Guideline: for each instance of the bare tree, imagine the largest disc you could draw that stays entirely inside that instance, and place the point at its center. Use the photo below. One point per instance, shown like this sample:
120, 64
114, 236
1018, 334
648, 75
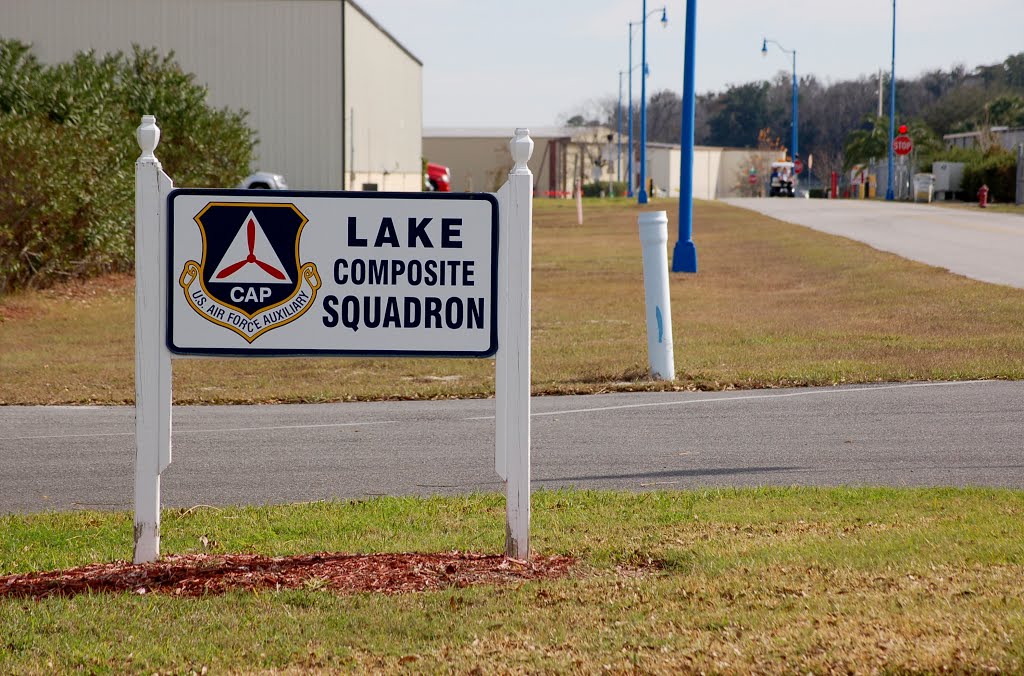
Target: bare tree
827, 161
664, 117
758, 165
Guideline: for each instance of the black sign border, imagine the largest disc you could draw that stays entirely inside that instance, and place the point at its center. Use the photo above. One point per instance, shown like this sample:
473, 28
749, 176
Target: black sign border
347, 194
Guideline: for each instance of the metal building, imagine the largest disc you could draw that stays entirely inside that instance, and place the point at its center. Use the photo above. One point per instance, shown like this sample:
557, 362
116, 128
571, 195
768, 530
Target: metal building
718, 172
337, 101
479, 158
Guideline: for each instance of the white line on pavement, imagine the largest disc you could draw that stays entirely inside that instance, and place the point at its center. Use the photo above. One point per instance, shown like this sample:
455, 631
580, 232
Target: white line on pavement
596, 409
845, 390
210, 431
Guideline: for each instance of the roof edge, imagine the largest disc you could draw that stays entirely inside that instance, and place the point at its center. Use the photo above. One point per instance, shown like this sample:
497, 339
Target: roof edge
383, 30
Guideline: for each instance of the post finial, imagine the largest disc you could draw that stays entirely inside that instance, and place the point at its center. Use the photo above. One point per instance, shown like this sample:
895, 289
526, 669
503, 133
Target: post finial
148, 136
522, 148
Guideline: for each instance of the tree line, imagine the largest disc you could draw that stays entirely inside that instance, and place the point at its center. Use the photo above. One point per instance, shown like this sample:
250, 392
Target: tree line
835, 117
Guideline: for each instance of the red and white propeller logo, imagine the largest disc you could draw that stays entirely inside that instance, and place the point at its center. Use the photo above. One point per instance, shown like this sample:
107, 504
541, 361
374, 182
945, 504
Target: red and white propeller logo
252, 250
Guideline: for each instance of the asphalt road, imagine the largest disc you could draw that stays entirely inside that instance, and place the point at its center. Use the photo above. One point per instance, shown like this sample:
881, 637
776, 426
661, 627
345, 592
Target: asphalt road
928, 434
976, 243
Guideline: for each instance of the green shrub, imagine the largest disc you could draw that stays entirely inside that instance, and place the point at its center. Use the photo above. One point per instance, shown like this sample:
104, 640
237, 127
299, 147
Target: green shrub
965, 155
62, 213
997, 169
600, 189
67, 154
19, 77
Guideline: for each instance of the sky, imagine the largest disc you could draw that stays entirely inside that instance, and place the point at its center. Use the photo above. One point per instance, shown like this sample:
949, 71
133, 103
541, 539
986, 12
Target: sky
536, 62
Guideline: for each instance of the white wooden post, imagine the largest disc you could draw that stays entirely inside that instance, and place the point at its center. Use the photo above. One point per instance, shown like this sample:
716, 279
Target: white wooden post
152, 358
501, 358
512, 363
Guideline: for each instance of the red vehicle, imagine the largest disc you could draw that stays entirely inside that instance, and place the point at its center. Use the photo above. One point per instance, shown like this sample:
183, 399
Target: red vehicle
438, 178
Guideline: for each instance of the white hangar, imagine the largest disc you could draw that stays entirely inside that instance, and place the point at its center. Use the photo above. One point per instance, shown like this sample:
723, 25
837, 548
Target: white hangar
336, 101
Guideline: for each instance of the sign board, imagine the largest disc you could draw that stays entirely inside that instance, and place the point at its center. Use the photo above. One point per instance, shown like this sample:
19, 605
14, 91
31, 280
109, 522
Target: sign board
798, 165
370, 274
261, 273
902, 145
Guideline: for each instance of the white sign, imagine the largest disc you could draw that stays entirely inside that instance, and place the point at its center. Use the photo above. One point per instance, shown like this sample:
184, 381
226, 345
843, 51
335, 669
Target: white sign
266, 273
374, 274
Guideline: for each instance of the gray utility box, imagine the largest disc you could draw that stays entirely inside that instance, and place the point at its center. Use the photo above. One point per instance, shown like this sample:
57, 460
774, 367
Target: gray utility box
948, 178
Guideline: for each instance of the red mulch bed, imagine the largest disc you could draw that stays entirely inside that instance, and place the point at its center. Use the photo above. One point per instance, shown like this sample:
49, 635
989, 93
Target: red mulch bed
199, 574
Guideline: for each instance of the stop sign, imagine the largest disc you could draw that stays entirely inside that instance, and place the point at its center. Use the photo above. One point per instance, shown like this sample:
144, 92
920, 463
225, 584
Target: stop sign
752, 179
798, 165
902, 145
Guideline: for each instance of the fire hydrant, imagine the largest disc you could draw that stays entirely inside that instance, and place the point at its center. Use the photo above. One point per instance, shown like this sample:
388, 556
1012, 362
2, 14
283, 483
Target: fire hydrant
983, 196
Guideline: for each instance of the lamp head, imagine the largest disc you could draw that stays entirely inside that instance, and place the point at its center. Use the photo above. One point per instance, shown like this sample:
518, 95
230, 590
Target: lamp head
664, 17
764, 48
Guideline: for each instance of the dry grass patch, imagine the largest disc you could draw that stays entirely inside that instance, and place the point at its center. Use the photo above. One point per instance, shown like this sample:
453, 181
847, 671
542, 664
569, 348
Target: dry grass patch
773, 305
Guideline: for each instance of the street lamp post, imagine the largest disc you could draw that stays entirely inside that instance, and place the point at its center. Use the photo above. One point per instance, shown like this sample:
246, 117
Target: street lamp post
795, 149
684, 255
889, 194
642, 195
629, 150
643, 106
618, 121
629, 177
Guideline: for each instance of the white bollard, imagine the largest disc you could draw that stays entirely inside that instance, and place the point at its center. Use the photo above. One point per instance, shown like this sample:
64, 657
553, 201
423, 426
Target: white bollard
654, 239
578, 189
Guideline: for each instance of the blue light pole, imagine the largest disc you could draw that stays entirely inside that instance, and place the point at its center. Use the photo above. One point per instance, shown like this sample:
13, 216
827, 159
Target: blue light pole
684, 255
629, 177
642, 195
618, 120
795, 150
889, 194
643, 108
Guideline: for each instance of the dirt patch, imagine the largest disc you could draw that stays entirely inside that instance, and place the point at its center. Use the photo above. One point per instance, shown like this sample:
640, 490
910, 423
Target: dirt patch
199, 574
25, 305
94, 287
12, 311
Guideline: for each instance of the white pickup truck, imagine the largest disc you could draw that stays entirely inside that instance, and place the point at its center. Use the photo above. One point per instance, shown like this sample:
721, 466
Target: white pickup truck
264, 180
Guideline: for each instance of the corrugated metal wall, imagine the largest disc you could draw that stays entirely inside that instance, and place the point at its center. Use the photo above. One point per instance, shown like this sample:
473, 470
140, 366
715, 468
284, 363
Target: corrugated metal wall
280, 60
384, 97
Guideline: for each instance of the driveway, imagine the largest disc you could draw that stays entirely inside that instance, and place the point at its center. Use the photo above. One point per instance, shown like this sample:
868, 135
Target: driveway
910, 434
983, 245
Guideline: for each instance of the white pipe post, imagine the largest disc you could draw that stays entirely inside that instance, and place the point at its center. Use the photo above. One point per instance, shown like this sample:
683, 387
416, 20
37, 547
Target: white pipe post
512, 377
579, 202
654, 240
152, 358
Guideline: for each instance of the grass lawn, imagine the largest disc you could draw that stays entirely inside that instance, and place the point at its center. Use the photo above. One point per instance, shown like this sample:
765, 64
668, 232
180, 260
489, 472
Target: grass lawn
737, 581
773, 305
1001, 207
